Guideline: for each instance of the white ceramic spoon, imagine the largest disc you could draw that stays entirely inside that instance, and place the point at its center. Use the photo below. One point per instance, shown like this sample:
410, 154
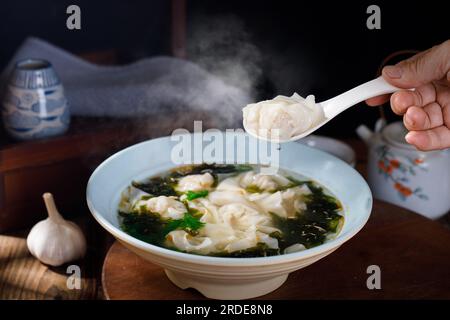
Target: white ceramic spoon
334, 106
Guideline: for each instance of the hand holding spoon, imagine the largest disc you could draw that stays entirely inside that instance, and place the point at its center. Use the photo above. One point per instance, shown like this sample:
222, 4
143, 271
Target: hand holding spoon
334, 106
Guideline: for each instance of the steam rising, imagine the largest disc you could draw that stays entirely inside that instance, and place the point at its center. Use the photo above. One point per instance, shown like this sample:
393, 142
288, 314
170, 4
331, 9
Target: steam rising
213, 85
221, 45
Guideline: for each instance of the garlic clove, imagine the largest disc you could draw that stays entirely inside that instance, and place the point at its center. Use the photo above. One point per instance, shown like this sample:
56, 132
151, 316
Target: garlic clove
55, 241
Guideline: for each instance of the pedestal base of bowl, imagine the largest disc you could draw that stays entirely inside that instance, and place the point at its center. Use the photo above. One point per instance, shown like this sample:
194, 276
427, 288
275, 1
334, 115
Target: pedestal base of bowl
226, 289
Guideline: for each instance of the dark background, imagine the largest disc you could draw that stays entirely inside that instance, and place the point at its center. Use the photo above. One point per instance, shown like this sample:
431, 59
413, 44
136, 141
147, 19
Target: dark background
317, 47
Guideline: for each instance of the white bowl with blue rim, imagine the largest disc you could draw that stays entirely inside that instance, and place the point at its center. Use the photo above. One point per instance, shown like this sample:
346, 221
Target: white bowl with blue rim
219, 277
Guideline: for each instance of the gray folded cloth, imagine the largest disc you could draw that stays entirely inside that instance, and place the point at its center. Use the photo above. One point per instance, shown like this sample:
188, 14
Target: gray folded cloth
146, 87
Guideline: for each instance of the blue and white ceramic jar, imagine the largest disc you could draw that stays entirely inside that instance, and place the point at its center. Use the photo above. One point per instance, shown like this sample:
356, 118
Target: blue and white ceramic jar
34, 105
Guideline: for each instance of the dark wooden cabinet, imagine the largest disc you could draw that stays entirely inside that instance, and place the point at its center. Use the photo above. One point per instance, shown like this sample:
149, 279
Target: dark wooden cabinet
60, 165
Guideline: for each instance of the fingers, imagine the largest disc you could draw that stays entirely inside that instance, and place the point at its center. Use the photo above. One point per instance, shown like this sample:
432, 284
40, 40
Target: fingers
433, 139
446, 114
425, 118
423, 68
378, 101
402, 100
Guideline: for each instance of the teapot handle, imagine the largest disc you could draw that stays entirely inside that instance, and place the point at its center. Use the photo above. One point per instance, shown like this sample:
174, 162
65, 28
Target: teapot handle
380, 124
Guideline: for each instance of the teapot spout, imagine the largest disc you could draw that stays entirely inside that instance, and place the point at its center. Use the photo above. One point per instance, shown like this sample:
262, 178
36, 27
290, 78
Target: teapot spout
364, 133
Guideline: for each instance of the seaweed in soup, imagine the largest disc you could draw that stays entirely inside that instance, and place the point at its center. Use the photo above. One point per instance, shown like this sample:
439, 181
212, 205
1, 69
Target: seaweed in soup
165, 185
157, 186
149, 227
312, 226
146, 227
319, 219
212, 168
322, 209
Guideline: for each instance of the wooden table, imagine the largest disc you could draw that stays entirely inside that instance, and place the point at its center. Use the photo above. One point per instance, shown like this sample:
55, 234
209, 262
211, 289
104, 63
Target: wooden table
411, 251
405, 268
22, 277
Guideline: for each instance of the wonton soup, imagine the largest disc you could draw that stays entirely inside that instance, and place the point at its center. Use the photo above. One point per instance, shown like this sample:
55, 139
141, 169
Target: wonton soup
230, 211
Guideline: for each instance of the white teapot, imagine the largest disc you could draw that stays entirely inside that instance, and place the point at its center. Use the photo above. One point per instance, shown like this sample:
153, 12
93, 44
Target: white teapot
400, 174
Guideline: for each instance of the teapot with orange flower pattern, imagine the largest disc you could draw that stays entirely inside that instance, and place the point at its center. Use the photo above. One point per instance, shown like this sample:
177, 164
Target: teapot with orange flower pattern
400, 174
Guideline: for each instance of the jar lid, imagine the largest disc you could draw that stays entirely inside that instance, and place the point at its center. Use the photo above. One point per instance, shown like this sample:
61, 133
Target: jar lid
33, 74
395, 133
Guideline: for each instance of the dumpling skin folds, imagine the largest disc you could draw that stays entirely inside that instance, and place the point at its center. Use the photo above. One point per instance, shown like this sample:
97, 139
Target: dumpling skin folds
166, 207
237, 228
230, 184
220, 198
241, 217
282, 117
230, 210
285, 204
263, 182
234, 227
184, 241
243, 243
195, 182
236, 215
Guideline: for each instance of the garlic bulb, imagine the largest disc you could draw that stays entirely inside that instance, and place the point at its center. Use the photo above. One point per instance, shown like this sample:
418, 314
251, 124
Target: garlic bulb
55, 241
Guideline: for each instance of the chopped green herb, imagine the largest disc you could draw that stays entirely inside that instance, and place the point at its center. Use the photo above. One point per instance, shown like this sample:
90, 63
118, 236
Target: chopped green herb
191, 195
189, 223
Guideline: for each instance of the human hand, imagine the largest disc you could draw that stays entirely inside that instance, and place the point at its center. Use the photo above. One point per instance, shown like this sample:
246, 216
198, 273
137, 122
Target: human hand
426, 110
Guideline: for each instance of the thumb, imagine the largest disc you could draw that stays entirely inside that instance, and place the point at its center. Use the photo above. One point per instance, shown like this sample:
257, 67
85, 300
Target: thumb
425, 67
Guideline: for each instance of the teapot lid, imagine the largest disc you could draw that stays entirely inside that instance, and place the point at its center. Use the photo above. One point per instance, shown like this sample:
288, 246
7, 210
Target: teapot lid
395, 133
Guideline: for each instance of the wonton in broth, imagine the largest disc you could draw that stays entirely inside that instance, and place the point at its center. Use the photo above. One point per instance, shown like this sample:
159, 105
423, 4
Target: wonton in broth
229, 211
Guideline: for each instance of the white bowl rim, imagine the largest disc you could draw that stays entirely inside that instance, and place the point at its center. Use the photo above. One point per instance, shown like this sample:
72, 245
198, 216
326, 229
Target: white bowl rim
222, 261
